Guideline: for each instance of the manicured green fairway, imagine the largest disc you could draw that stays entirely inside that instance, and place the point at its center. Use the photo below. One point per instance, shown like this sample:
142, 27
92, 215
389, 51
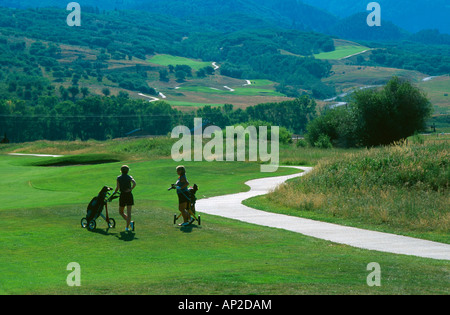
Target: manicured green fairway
243, 91
341, 52
192, 104
438, 89
165, 60
40, 234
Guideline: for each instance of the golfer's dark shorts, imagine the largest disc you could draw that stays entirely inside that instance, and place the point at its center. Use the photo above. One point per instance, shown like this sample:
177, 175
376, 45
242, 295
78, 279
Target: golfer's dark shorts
126, 199
182, 199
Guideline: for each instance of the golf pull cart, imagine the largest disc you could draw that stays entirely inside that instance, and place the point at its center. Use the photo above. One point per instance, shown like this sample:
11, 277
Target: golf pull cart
95, 209
190, 195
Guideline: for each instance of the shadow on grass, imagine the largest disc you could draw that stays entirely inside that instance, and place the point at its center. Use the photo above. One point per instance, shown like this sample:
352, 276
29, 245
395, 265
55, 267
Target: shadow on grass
127, 236
189, 228
123, 236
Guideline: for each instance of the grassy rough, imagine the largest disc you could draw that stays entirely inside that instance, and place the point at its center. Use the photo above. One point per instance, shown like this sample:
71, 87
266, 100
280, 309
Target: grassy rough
402, 186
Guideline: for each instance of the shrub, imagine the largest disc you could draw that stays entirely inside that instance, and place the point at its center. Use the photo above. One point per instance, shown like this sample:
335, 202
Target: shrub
324, 142
302, 143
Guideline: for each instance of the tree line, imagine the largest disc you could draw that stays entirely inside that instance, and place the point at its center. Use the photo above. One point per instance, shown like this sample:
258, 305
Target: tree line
107, 117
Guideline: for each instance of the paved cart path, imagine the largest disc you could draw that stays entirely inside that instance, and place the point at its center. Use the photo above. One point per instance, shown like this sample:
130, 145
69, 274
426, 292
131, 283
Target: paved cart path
230, 206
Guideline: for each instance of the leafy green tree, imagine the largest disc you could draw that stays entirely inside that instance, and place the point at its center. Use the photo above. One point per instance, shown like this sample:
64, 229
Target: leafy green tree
64, 93
185, 68
59, 75
201, 73
374, 117
12, 86
393, 113
106, 92
85, 91
74, 91
180, 75
209, 70
327, 125
163, 75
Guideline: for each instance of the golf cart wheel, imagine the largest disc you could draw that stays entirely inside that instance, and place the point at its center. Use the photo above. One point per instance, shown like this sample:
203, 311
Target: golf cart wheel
199, 220
92, 225
84, 223
174, 219
112, 223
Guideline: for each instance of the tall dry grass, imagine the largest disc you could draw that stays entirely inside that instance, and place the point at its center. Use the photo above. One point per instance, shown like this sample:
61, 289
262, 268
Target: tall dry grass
404, 186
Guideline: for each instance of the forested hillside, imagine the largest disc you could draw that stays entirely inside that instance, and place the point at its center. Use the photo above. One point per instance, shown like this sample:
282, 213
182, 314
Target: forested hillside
286, 13
61, 82
255, 53
318, 15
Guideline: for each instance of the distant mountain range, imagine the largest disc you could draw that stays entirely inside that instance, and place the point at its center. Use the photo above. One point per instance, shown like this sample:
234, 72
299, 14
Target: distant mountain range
344, 18
411, 15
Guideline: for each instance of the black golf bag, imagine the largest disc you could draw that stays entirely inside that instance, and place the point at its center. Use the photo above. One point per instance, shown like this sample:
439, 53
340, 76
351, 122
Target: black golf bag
97, 204
190, 195
95, 209
192, 198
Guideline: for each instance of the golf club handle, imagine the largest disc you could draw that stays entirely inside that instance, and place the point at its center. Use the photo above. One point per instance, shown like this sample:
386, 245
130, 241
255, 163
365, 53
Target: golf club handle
113, 196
